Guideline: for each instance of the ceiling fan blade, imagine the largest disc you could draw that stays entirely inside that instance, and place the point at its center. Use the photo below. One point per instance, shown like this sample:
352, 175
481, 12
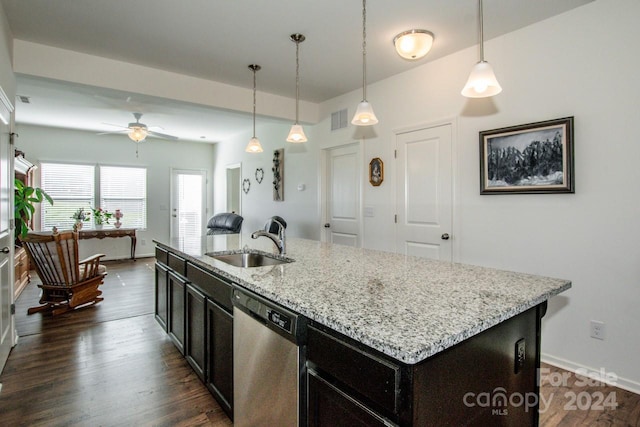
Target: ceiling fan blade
162, 135
111, 124
120, 132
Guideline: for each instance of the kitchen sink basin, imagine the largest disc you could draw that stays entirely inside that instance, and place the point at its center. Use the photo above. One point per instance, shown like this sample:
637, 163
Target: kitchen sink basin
250, 259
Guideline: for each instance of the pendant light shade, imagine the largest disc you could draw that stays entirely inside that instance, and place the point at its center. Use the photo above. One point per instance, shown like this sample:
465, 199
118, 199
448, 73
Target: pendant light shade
254, 145
482, 81
364, 113
296, 134
413, 44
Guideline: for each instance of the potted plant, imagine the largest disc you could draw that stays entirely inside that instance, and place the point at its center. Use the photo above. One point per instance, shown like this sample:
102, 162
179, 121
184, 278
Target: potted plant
101, 217
24, 205
80, 215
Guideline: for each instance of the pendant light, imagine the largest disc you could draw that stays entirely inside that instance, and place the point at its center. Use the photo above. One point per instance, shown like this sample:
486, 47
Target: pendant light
364, 113
482, 81
296, 134
254, 143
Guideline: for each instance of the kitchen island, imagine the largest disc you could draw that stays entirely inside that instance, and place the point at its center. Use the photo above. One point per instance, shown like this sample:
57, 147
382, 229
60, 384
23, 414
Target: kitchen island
392, 339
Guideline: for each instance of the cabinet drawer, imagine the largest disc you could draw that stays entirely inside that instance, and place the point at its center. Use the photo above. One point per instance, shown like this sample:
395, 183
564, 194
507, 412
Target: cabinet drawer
179, 265
329, 406
215, 288
373, 378
162, 256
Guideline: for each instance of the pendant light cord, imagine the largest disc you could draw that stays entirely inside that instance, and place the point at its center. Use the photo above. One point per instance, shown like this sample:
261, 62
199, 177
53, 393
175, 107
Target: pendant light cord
254, 102
364, 50
481, 30
297, 78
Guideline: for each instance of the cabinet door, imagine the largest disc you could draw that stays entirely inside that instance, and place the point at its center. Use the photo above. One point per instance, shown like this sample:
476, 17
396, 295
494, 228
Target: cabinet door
177, 287
161, 296
195, 338
330, 407
220, 355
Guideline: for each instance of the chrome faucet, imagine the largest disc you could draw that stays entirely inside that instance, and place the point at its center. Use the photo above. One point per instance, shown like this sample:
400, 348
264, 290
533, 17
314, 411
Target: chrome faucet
279, 239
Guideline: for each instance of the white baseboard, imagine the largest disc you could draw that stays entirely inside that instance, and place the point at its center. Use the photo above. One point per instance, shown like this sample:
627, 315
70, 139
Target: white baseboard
623, 383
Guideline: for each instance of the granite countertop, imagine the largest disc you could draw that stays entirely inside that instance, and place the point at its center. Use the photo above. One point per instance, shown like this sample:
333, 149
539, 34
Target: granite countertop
408, 308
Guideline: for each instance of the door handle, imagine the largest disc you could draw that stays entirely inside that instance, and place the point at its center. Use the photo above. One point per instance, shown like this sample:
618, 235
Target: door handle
5, 250
445, 236
327, 225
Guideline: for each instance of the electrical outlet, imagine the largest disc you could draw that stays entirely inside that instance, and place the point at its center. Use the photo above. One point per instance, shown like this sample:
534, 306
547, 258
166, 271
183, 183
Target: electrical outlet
143, 242
597, 330
520, 356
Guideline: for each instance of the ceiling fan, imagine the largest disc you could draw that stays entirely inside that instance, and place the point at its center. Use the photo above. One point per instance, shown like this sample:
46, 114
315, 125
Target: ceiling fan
138, 132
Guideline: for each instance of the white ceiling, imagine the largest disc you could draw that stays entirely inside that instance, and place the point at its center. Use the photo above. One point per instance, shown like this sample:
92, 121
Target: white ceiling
217, 39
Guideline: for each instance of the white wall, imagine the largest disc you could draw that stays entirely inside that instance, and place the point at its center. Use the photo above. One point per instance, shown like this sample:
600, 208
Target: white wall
299, 208
7, 79
576, 64
158, 156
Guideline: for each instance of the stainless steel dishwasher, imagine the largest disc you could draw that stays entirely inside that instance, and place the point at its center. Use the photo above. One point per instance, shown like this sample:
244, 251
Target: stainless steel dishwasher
268, 363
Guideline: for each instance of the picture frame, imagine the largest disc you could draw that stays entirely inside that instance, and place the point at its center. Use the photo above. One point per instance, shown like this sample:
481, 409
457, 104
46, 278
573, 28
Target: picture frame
376, 171
527, 159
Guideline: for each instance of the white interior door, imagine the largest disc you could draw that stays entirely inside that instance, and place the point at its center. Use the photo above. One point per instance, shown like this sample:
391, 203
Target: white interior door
6, 236
425, 193
342, 224
188, 206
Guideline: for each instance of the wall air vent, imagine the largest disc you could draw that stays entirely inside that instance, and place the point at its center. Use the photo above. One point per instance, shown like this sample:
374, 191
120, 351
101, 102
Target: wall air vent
24, 99
339, 120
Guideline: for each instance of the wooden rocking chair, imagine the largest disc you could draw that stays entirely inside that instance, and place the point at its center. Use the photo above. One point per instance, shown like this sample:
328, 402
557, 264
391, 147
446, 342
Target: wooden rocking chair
66, 282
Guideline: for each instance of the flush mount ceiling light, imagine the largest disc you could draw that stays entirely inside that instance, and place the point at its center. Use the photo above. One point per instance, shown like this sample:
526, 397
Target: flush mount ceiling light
296, 134
413, 44
364, 113
254, 143
482, 81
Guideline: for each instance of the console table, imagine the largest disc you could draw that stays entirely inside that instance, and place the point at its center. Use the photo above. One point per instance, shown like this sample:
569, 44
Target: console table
111, 232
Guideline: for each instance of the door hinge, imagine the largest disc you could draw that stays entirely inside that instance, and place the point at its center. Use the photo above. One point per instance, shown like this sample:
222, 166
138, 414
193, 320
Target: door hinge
12, 137
395, 218
395, 154
13, 309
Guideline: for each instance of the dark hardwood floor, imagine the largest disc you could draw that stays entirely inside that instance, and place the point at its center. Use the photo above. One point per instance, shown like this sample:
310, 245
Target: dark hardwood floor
106, 365
112, 365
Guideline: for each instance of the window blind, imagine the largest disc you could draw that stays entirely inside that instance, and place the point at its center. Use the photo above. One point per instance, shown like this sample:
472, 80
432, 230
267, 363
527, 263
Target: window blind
71, 187
125, 188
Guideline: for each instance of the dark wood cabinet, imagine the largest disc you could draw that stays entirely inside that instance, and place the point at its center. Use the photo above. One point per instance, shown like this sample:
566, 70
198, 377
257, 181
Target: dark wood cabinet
195, 336
194, 307
220, 355
351, 384
176, 326
161, 302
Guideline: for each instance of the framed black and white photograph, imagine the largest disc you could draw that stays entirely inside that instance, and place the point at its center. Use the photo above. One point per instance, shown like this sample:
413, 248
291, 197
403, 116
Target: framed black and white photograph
531, 158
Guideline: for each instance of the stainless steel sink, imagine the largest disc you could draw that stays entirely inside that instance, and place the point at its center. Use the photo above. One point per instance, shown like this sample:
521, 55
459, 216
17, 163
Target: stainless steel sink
250, 259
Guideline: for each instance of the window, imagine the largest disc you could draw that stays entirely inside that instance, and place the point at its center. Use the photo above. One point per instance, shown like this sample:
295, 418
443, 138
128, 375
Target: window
71, 187
78, 186
125, 188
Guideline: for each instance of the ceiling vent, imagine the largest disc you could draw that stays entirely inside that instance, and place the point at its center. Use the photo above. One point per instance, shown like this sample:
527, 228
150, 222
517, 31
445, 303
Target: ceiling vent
339, 120
24, 99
